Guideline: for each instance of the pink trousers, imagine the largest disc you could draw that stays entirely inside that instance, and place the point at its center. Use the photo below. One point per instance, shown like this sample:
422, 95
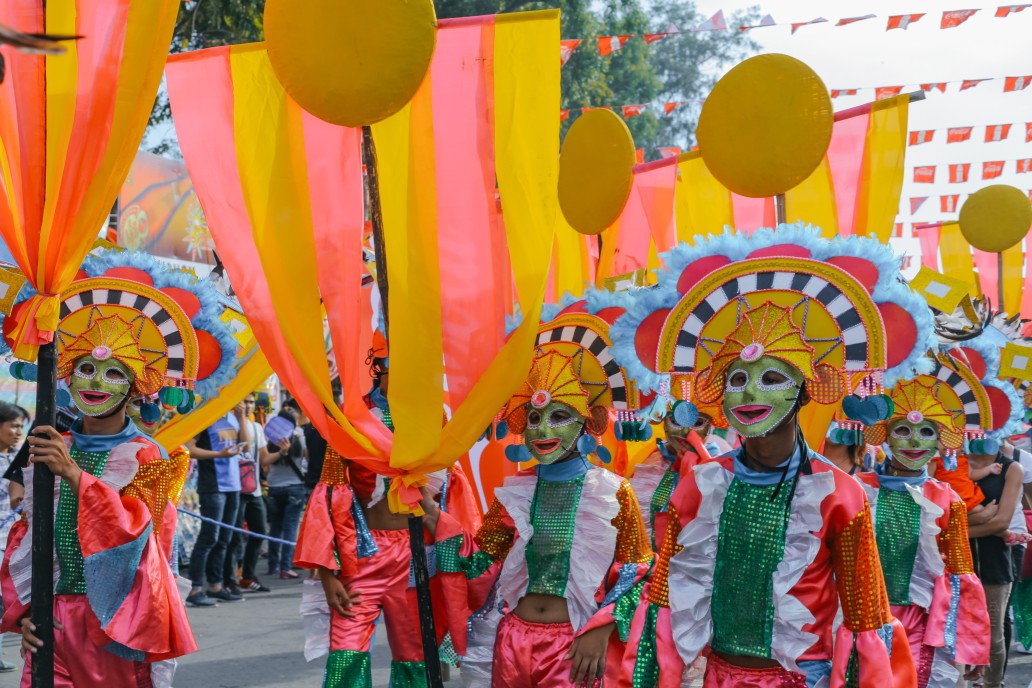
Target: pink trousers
79, 662
915, 620
382, 581
720, 674
532, 655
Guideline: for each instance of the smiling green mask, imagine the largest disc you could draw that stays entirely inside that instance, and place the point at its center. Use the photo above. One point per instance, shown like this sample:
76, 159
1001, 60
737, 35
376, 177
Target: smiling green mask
552, 431
99, 387
760, 394
132, 409
913, 444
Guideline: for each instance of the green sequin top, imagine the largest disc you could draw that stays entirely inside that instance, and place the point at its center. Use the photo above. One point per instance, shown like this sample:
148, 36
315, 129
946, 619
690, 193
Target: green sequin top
898, 530
553, 514
71, 580
661, 500
750, 545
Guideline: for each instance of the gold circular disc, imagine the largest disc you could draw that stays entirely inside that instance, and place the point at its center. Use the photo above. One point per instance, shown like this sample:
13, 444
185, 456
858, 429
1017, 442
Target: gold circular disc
766, 126
351, 62
595, 171
995, 218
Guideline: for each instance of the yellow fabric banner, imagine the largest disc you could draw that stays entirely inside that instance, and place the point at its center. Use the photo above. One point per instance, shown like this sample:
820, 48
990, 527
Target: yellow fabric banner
702, 204
955, 253
883, 170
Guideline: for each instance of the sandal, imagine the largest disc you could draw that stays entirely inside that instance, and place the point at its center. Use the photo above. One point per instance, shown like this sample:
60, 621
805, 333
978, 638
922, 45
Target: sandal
6, 667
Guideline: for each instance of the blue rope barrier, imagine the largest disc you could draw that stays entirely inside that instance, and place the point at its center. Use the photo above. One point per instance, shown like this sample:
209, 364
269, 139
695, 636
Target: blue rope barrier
10, 517
220, 524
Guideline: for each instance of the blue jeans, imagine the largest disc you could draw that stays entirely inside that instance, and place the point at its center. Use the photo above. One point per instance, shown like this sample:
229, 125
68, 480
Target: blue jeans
285, 506
209, 552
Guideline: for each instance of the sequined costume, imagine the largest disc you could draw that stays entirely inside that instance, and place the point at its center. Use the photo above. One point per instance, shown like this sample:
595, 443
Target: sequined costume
377, 565
577, 534
754, 579
116, 589
656, 478
921, 528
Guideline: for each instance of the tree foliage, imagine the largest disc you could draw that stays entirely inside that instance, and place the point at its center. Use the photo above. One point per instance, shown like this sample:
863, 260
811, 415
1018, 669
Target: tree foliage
681, 67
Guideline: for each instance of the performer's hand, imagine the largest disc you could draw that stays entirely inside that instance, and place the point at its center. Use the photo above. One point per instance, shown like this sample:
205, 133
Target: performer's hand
431, 510
339, 597
995, 468
974, 673
30, 643
588, 655
46, 446
284, 445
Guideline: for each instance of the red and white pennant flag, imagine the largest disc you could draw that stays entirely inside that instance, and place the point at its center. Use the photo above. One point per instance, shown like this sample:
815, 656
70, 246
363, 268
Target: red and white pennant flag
798, 25
955, 18
902, 21
767, 20
714, 23
924, 174
1016, 83
940, 87
607, 45
835, 93
883, 92
566, 49
1025, 166
632, 110
948, 204
1005, 10
919, 137
1028, 132
916, 203
853, 20
959, 173
992, 169
958, 134
971, 83
651, 38
996, 132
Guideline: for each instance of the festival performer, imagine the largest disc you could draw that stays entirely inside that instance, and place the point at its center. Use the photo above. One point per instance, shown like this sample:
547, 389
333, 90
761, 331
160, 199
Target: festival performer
921, 523
563, 542
361, 551
655, 478
129, 327
760, 542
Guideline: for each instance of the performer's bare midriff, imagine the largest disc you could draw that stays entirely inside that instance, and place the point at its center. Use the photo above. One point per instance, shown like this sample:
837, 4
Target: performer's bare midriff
543, 609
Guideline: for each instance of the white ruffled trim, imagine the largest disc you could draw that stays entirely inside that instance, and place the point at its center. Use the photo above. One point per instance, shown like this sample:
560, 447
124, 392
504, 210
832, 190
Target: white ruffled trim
928, 566
789, 641
692, 568
119, 470
594, 541
315, 615
647, 477
476, 668
162, 673
944, 673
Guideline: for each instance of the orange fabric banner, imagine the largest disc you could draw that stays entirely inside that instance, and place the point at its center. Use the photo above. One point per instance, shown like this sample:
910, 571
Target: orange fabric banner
69, 129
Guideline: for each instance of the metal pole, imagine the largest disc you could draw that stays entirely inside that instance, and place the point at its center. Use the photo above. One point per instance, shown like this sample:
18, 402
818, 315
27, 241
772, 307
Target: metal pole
417, 545
999, 282
43, 526
779, 209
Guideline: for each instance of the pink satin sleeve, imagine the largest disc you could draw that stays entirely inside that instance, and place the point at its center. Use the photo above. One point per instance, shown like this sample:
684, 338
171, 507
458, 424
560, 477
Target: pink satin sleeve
876, 668
327, 536
14, 610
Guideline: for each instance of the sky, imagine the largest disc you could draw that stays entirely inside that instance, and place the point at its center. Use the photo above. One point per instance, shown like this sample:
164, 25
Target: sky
864, 54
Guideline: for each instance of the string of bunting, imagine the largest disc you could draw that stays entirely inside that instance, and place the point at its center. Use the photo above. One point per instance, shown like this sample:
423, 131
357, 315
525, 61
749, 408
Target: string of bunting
950, 19
1011, 84
960, 172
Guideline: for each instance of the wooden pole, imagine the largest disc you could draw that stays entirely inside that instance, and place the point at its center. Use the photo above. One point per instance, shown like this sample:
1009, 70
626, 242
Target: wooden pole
43, 526
417, 543
999, 282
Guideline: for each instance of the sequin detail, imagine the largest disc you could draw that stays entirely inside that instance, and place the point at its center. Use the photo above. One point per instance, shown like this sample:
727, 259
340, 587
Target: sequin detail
898, 531
493, 540
365, 545
750, 545
495, 537
865, 605
632, 540
661, 498
954, 543
66, 527
659, 590
646, 662
157, 482
553, 515
334, 469
348, 669
408, 675
950, 632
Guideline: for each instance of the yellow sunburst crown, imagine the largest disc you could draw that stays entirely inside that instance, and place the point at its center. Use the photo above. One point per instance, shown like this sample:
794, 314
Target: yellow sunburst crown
925, 397
767, 330
553, 376
112, 337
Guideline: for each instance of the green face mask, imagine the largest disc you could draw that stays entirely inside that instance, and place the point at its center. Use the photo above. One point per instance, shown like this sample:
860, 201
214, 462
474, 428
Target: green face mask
132, 409
913, 444
98, 387
760, 394
552, 431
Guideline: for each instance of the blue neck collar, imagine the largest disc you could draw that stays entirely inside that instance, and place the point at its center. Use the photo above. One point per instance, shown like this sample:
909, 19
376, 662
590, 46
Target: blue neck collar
899, 482
563, 470
754, 477
103, 443
664, 451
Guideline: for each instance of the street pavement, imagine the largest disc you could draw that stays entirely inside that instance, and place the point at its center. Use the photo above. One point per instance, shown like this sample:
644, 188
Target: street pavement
258, 643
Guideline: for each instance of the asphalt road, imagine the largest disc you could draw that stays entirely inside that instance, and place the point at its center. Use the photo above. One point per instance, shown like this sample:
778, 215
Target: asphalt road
258, 643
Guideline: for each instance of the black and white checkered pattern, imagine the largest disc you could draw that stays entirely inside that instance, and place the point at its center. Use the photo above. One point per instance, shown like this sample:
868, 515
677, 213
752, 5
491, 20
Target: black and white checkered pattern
592, 342
972, 417
853, 337
174, 349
